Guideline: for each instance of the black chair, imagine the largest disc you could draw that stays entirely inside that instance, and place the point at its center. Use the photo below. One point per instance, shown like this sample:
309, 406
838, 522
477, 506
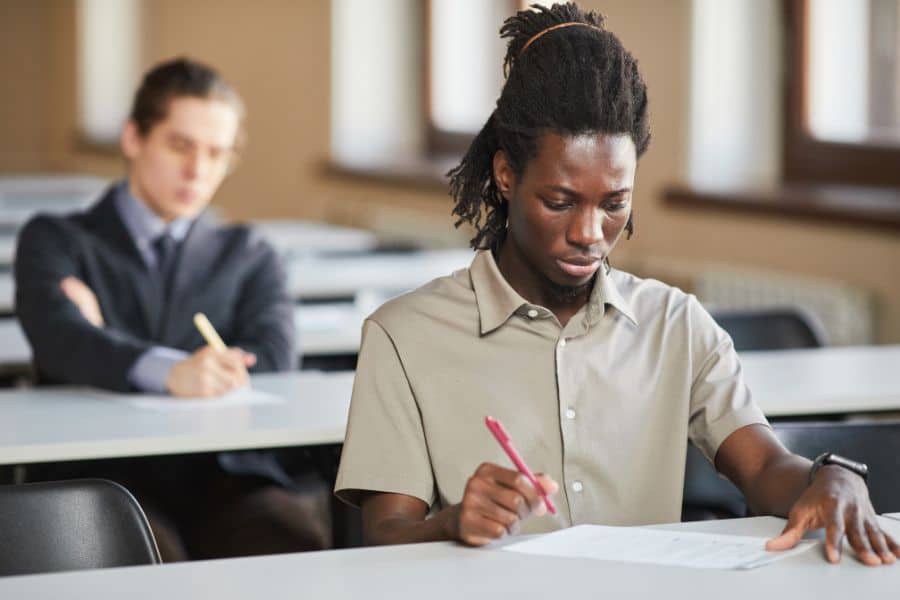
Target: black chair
68, 525
770, 328
706, 495
876, 444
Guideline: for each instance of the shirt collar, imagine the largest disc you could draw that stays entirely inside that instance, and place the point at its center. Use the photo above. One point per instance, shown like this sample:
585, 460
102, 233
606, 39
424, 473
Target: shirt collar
142, 223
607, 292
497, 300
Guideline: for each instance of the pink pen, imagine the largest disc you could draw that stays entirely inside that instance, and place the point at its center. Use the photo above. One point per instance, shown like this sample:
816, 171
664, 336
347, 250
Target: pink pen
503, 437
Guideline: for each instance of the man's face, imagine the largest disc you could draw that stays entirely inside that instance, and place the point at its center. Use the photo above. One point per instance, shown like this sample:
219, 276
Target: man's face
569, 206
176, 168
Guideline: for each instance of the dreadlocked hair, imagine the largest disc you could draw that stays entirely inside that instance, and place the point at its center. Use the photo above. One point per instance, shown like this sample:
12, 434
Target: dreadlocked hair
569, 81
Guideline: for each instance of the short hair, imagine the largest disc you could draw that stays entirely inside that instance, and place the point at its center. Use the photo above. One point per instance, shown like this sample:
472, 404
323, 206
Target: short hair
562, 79
178, 78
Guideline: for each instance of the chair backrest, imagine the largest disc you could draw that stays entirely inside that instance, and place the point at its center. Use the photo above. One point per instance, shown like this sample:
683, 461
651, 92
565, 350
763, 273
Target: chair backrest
770, 328
68, 525
877, 444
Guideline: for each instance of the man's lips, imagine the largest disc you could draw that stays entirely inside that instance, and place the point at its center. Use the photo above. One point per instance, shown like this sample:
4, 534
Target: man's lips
579, 266
187, 195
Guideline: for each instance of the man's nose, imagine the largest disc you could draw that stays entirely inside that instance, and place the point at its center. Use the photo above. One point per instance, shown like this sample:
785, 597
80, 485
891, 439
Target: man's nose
586, 229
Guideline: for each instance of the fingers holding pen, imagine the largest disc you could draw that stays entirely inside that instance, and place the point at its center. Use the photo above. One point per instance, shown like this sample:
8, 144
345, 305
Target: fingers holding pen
495, 502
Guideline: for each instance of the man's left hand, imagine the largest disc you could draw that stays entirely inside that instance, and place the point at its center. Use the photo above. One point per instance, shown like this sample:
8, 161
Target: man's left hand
838, 500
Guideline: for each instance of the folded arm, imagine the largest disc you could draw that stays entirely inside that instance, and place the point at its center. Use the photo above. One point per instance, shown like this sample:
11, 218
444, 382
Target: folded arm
67, 345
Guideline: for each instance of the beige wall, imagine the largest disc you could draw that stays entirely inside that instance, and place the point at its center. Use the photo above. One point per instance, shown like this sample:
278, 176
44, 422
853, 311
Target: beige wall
276, 52
24, 107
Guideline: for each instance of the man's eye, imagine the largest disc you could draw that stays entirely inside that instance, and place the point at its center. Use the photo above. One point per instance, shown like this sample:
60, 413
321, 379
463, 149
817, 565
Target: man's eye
179, 145
556, 205
615, 207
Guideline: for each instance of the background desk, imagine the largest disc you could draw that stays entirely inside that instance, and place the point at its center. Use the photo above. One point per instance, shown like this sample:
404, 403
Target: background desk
819, 381
835, 380
381, 273
58, 424
440, 571
322, 330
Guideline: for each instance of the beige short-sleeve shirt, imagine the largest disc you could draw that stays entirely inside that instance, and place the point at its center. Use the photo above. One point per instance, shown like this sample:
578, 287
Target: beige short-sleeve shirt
604, 405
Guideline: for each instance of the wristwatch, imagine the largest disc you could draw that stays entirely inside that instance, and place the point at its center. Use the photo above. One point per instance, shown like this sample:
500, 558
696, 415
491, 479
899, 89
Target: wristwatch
830, 458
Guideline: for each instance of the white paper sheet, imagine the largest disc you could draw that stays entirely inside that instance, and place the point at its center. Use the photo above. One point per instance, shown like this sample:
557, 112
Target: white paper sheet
241, 397
656, 546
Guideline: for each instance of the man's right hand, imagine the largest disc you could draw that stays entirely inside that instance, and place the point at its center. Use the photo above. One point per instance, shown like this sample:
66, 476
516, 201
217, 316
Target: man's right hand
209, 372
84, 298
494, 503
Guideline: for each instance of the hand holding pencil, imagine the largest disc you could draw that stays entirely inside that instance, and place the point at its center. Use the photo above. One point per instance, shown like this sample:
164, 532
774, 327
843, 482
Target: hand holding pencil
213, 370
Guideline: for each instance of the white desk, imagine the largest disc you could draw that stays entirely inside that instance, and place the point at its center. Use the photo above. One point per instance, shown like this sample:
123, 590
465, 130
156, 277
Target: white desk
391, 273
50, 424
322, 330
824, 380
449, 571
349, 277
329, 329
14, 349
7, 292
295, 239
23, 196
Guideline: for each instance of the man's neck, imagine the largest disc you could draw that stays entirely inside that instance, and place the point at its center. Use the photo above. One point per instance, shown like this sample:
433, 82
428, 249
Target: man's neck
138, 195
533, 286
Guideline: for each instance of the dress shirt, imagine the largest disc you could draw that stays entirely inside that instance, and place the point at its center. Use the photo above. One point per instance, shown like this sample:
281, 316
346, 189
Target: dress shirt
150, 371
604, 405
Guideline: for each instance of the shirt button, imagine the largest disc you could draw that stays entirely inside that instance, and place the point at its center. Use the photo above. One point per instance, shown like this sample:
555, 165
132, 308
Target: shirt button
532, 313
570, 413
576, 486
562, 343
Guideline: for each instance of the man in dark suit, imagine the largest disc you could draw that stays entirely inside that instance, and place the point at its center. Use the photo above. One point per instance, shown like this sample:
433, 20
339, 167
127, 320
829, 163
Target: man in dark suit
106, 298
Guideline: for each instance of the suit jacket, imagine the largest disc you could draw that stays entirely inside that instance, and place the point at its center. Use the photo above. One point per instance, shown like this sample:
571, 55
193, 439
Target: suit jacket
229, 273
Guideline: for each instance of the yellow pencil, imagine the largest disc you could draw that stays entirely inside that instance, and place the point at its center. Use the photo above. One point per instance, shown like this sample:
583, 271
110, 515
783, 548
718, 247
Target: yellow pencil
208, 332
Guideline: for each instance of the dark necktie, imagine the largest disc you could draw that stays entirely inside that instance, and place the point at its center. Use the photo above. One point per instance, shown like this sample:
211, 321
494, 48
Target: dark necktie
166, 249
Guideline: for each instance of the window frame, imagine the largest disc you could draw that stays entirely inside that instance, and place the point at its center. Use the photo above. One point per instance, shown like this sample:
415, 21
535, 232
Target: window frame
807, 160
440, 142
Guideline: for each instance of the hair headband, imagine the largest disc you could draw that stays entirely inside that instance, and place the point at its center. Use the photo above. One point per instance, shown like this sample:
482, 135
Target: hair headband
536, 36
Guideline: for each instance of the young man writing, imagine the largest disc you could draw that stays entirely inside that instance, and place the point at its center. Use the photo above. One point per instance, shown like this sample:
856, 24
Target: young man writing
600, 377
106, 299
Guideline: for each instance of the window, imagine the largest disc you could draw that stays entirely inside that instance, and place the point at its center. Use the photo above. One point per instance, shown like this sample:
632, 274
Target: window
109, 58
843, 105
412, 82
463, 72
810, 130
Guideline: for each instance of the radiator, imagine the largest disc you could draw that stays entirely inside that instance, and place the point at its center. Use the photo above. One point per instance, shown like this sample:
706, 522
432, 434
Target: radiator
845, 313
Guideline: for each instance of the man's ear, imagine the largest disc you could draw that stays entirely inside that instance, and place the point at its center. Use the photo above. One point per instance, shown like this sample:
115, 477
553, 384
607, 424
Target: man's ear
130, 140
504, 176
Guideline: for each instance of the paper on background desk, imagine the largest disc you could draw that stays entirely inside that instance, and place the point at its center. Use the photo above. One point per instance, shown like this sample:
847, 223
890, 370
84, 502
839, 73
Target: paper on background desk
240, 397
656, 546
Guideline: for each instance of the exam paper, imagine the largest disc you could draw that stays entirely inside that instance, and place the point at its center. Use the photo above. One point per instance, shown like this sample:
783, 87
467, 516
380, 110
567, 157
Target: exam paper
656, 546
240, 397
